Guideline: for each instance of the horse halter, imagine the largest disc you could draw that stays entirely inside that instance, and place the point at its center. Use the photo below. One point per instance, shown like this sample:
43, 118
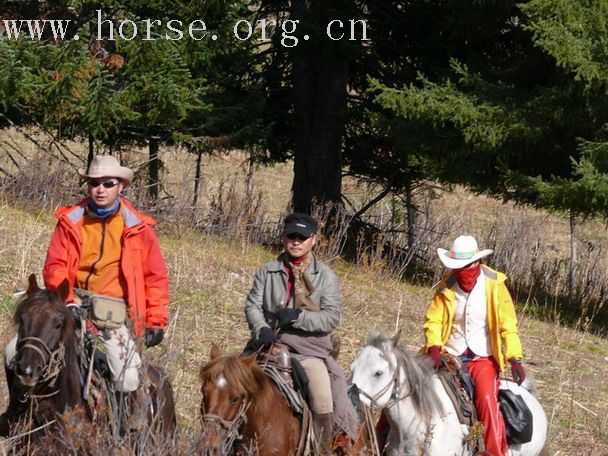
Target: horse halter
373, 400
52, 365
231, 426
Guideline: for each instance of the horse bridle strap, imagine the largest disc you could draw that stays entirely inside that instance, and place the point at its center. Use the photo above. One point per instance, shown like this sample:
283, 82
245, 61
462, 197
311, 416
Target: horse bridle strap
232, 426
394, 398
54, 360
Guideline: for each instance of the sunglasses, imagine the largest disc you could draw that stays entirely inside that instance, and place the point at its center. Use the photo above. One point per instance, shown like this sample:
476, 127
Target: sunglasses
299, 237
106, 184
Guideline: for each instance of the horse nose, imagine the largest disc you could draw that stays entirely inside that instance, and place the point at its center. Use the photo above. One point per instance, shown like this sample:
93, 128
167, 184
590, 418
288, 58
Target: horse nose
28, 371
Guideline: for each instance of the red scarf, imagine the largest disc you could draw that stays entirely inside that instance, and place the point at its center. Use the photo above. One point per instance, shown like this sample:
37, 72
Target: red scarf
467, 277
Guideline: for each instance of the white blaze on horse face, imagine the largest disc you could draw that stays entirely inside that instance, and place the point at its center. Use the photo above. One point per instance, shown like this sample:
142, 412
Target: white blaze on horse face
221, 381
373, 374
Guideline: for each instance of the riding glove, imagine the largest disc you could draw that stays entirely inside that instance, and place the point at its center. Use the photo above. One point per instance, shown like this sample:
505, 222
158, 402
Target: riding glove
266, 337
154, 336
434, 353
518, 371
287, 317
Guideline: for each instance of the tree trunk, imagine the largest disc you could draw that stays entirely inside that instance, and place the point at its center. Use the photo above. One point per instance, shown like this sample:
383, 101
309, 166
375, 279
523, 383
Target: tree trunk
319, 76
573, 255
91, 153
153, 168
411, 217
197, 177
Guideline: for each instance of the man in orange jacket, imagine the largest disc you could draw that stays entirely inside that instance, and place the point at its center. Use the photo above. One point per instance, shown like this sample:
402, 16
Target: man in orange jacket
105, 246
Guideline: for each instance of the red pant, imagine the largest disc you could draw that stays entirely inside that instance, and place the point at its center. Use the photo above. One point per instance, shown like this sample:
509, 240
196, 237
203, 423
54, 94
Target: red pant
484, 371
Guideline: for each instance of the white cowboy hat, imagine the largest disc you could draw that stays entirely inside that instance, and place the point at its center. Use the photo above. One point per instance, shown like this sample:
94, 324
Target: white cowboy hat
464, 251
107, 166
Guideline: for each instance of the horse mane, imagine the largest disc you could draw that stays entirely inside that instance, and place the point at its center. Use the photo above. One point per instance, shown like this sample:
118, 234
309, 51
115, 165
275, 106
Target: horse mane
418, 373
248, 379
39, 298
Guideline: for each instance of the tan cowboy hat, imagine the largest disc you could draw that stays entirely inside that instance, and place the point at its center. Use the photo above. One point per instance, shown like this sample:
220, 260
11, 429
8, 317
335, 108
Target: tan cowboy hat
464, 251
107, 166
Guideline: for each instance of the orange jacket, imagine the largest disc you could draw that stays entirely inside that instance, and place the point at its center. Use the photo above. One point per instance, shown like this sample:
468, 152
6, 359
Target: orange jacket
141, 265
501, 318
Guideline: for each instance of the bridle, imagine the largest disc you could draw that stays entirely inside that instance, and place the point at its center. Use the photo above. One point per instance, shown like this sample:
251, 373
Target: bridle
394, 399
53, 360
230, 426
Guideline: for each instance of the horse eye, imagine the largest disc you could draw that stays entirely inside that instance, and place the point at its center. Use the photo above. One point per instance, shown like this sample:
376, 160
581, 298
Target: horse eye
378, 374
235, 400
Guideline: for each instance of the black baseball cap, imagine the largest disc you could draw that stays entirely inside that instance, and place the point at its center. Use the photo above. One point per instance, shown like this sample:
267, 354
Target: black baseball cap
298, 223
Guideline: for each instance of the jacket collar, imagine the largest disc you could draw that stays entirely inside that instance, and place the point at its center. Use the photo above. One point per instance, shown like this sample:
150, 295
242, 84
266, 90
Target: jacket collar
132, 217
449, 281
278, 265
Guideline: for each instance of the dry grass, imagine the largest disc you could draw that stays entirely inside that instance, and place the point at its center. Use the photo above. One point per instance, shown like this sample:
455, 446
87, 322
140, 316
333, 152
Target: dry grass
210, 276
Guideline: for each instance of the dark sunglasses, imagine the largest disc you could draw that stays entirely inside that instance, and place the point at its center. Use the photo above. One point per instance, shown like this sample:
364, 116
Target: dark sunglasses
299, 237
106, 184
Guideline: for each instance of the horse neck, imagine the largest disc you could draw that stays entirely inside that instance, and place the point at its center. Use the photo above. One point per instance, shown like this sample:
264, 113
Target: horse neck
68, 380
268, 398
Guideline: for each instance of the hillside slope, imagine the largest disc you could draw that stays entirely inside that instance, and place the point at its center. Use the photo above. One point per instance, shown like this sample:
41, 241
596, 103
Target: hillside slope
209, 281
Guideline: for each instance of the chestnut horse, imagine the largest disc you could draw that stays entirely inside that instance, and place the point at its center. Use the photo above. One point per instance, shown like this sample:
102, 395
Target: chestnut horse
243, 411
44, 378
240, 403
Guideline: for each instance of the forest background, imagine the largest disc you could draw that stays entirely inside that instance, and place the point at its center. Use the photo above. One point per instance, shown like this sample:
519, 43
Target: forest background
378, 137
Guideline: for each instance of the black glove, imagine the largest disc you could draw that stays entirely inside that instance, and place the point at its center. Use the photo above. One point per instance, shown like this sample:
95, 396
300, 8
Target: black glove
267, 337
287, 317
77, 313
154, 336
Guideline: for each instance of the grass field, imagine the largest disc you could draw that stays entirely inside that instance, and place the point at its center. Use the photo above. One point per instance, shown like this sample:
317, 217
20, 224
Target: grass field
210, 277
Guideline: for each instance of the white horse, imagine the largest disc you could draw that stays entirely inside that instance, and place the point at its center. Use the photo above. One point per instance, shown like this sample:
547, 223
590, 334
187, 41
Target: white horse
421, 415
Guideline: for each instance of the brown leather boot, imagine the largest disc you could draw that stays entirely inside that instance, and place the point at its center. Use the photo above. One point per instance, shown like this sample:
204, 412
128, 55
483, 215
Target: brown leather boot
324, 429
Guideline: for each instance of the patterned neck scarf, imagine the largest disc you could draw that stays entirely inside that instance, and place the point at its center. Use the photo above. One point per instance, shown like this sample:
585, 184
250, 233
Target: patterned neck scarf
302, 285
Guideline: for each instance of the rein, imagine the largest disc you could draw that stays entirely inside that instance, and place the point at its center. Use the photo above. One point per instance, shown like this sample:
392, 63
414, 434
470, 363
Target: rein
394, 399
231, 426
53, 365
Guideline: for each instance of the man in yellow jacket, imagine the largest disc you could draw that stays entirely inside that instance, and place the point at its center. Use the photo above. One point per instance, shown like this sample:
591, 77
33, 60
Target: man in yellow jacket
472, 316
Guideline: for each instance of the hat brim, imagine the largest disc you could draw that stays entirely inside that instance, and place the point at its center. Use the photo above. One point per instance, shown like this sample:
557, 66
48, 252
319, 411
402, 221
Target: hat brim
122, 173
454, 263
297, 230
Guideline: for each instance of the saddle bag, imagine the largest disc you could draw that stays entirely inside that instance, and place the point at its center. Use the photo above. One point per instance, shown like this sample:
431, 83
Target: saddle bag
517, 415
107, 312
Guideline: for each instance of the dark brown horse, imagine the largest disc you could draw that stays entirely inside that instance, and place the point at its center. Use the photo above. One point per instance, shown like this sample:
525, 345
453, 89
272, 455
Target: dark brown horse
44, 377
243, 411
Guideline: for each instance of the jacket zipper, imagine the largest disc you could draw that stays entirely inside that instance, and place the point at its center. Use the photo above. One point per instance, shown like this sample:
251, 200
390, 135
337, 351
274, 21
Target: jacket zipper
103, 238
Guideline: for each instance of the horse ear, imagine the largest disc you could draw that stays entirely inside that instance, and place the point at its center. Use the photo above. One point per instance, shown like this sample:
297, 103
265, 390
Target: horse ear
63, 290
395, 338
215, 352
32, 286
248, 360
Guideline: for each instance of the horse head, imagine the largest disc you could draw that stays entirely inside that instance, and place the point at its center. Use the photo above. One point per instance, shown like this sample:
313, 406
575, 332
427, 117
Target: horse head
228, 385
375, 370
46, 329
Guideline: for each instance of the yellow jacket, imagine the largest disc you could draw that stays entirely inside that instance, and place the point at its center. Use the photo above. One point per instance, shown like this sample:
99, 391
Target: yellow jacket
502, 321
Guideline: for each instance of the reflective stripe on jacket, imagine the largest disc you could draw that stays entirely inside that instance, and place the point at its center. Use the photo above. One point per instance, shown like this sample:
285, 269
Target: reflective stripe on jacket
501, 318
142, 265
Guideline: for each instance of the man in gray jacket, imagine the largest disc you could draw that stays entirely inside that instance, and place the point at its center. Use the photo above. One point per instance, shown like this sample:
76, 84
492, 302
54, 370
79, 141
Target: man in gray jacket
296, 300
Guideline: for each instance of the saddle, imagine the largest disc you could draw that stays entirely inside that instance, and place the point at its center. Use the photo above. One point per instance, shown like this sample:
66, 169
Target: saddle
291, 380
459, 386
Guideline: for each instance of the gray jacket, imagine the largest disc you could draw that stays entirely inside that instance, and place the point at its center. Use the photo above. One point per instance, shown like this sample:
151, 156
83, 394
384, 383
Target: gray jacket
269, 291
